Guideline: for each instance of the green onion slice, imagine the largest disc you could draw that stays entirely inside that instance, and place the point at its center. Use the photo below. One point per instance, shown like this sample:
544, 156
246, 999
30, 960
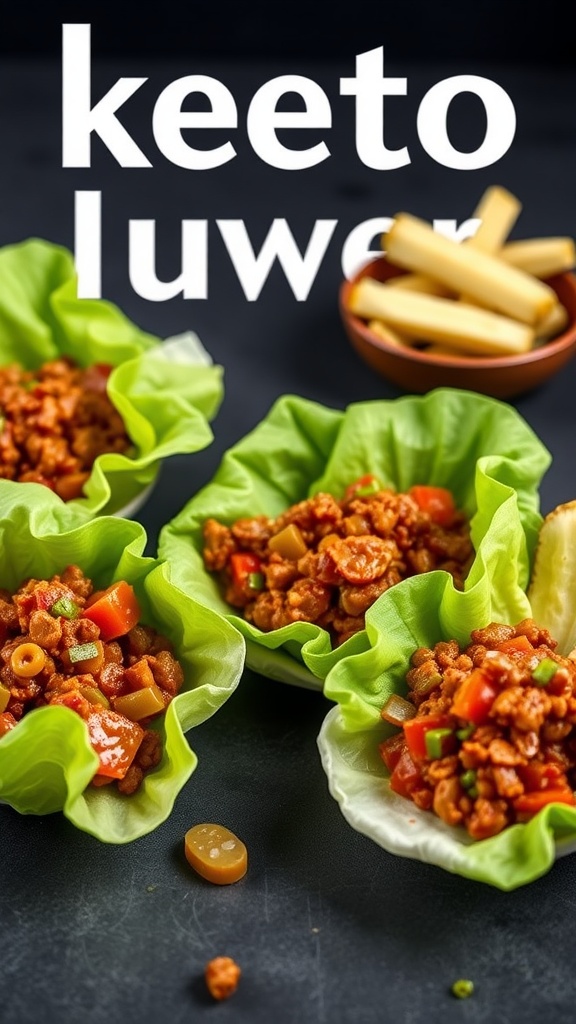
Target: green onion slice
545, 671
65, 607
369, 488
466, 732
256, 580
436, 742
82, 652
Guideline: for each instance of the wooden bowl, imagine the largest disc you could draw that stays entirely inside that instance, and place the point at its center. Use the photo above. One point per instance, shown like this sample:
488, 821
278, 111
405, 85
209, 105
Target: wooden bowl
416, 371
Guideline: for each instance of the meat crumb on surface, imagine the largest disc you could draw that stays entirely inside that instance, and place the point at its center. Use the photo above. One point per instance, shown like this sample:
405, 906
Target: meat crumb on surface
222, 975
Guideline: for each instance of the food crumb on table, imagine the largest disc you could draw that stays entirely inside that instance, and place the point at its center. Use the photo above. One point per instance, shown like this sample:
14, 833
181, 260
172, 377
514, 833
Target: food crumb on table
222, 975
462, 988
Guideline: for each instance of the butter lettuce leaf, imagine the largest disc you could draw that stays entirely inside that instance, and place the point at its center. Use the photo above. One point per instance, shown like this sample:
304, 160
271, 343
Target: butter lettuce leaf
166, 392
479, 448
420, 616
46, 761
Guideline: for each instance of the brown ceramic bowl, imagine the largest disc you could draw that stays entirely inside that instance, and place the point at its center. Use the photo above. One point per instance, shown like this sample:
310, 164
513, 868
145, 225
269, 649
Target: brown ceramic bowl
416, 371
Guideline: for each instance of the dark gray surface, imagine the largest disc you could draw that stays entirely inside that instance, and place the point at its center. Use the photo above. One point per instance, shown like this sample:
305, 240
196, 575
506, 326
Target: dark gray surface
416, 31
326, 926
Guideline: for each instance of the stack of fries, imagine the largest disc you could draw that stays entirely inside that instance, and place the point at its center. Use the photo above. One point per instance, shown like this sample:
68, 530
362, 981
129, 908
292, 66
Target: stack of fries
482, 297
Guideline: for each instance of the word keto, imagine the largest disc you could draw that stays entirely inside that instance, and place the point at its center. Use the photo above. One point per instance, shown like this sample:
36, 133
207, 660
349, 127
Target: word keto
369, 87
81, 120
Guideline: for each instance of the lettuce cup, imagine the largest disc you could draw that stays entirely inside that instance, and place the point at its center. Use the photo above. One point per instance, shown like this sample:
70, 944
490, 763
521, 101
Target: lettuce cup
111, 630
476, 450
91, 404
505, 836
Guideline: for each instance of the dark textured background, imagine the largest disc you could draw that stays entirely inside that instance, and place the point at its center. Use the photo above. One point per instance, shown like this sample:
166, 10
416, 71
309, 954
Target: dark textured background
508, 30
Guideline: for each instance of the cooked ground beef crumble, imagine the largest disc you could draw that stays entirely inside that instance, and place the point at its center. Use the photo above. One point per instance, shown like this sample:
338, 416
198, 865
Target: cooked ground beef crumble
490, 740
54, 423
61, 643
326, 560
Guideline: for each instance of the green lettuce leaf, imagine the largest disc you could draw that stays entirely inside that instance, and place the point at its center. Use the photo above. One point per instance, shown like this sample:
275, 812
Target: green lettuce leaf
165, 392
420, 615
479, 448
46, 762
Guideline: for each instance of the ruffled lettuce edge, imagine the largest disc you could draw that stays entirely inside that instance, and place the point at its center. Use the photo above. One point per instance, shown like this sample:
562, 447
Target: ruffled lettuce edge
494, 468
348, 742
46, 761
166, 392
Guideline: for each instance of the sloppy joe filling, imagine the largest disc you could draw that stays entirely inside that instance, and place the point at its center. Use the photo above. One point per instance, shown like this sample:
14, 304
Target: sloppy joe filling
61, 643
326, 560
491, 739
54, 423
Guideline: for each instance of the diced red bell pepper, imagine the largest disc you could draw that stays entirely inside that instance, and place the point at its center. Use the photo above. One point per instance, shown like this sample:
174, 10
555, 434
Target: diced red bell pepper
115, 739
406, 776
47, 594
437, 502
415, 730
537, 775
115, 610
101, 780
7, 722
242, 564
74, 700
391, 750
515, 646
475, 697
527, 805
96, 377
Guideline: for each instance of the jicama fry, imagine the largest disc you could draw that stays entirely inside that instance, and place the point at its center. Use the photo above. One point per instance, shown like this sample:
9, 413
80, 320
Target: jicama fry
388, 335
443, 351
541, 257
497, 212
419, 283
553, 324
430, 318
413, 244
505, 279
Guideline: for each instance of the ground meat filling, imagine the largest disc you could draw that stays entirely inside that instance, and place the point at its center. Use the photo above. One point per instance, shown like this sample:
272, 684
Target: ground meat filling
491, 739
52, 652
54, 423
326, 561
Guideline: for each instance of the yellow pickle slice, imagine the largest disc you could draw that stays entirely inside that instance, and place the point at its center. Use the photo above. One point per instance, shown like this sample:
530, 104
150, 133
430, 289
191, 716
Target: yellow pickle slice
216, 853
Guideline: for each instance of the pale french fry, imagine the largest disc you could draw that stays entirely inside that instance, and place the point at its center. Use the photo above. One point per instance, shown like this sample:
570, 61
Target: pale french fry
497, 212
542, 257
413, 244
388, 334
429, 318
553, 324
419, 283
443, 351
